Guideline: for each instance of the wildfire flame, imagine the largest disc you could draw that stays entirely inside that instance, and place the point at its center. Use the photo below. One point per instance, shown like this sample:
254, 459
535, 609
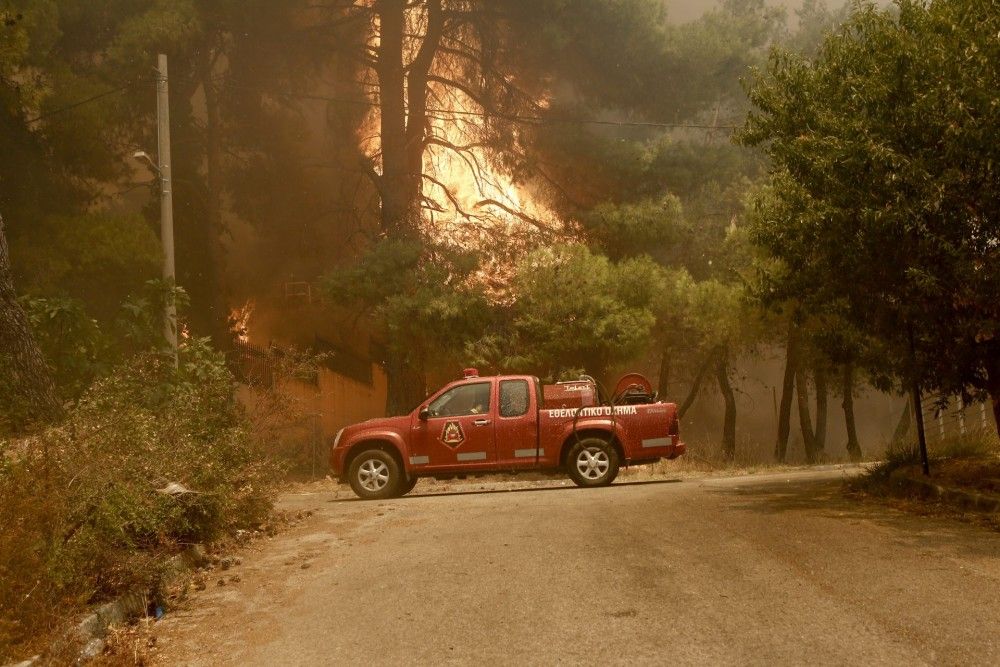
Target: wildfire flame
239, 321
470, 200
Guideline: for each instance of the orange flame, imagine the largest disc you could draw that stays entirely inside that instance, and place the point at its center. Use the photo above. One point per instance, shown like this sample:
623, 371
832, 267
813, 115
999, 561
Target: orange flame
239, 321
469, 197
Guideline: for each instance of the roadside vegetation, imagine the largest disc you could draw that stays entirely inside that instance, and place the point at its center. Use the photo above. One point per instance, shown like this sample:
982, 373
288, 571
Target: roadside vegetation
149, 458
965, 482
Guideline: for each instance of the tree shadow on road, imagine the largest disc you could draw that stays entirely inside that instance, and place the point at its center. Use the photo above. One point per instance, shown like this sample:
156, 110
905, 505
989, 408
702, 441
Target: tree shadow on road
524, 489
833, 500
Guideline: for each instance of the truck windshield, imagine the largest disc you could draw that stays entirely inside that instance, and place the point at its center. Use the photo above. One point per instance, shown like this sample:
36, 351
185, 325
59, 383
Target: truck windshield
466, 399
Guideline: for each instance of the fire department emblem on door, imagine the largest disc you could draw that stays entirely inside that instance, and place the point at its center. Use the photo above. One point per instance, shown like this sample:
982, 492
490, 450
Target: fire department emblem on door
452, 434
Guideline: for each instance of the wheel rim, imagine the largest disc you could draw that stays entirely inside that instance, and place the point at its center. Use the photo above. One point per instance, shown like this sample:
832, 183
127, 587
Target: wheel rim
373, 475
593, 463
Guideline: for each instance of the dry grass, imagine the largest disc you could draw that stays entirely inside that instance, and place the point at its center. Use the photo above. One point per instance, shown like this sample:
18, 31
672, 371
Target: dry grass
970, 463
83, 520
129, 646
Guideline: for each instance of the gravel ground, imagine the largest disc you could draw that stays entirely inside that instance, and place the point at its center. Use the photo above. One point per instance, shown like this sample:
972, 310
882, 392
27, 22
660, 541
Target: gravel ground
775, 568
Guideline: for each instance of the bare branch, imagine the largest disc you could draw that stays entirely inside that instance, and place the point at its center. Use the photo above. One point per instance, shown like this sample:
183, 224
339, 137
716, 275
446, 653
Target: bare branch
538, 224
374, 177
447, 192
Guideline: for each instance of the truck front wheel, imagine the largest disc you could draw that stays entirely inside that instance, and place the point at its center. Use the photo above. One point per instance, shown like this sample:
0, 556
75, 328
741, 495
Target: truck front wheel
374, 475
592, 462
407, 486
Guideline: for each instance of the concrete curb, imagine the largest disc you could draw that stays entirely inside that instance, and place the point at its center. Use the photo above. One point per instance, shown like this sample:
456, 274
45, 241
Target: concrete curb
86, 638
971, 500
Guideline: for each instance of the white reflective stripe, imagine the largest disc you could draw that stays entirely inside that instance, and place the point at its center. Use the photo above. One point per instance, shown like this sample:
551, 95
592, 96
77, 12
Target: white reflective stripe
528, 453
472, 456
419, 460
658, 442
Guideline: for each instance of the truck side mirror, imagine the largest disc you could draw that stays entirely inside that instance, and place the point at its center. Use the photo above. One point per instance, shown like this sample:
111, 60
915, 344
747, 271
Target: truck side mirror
423, 414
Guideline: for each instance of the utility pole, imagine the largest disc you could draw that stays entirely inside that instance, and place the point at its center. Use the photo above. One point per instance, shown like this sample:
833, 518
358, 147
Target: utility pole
166, 201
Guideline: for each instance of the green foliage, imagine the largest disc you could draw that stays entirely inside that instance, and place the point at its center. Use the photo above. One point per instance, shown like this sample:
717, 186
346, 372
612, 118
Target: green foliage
699, 319
71, 341
97, 258
426, 299
561, 37
628, 230
79, 349
571, 309
883, 183
139, 325
95, 523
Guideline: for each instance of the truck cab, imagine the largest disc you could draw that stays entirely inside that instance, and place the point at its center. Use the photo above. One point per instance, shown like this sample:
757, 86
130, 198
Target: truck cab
509, 423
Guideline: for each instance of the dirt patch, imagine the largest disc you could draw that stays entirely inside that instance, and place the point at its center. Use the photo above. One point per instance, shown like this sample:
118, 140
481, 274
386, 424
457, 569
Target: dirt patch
951, 490
982, 475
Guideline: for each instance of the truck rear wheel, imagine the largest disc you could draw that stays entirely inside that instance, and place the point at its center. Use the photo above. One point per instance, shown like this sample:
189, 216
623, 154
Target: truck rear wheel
592, 462
374, 475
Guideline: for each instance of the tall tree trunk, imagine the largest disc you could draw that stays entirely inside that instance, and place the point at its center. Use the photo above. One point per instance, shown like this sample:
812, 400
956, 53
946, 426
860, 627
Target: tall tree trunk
696, 385
403, 92
403, 128
993, 387
787, 389
805, 421
729, 423
393, 184
847, 388
663, 383
819, 374
20, 353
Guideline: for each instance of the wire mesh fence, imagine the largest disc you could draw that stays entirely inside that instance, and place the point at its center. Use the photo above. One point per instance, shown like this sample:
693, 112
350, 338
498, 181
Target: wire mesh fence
949, 417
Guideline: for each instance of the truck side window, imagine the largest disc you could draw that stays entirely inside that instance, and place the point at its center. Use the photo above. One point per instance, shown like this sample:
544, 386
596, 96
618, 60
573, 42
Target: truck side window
513, 398
466, 399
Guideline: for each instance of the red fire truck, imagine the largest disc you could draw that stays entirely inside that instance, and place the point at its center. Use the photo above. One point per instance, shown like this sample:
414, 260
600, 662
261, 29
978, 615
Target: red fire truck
510, 423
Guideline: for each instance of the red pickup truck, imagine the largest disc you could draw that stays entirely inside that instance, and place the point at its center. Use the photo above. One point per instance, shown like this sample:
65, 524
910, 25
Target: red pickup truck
509, 423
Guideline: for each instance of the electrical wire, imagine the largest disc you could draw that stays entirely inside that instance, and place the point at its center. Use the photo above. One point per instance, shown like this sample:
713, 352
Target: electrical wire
80, 103
537, 120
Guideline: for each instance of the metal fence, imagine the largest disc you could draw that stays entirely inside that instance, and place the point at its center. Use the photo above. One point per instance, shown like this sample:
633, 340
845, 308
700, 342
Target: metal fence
949, 417
252, 365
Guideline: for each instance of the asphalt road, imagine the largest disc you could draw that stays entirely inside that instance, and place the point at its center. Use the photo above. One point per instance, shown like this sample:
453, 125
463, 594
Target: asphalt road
769, 569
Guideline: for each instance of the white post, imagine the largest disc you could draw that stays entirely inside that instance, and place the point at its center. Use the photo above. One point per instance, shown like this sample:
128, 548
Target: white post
166, 199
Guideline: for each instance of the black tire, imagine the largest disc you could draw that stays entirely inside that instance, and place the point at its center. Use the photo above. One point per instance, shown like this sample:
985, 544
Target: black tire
374, 475
407, 486
592, 462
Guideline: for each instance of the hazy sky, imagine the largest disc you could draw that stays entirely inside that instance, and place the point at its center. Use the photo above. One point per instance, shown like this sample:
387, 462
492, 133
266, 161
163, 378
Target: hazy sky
680, 11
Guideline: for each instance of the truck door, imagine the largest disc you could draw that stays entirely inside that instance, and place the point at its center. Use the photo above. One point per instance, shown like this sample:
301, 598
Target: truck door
517, 424
458, 430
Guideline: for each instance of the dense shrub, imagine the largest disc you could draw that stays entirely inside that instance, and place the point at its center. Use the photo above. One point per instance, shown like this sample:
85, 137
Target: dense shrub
85, 512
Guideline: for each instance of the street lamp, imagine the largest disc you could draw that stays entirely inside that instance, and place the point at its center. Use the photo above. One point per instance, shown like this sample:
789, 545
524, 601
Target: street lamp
143, 156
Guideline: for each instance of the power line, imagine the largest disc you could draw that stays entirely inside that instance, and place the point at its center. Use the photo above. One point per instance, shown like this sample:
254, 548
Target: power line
537, 120
80, 103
